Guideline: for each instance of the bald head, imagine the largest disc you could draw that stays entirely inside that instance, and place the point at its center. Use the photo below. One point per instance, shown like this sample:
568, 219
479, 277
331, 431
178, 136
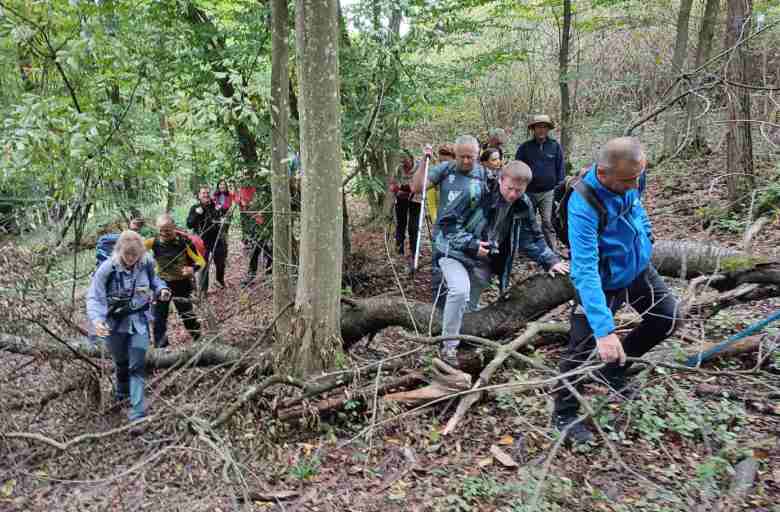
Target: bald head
167, 226
620, 151
620, 164
165, 219
466, 152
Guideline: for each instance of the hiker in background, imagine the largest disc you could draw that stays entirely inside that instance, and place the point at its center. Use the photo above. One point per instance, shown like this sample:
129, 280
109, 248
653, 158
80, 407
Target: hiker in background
490, 159
544, 156
445, 154
177, 260
451, 179
475, 241
118, 306
244, 197
407, 204
496, 140
611, 266
223, 198
260, 232
207, 221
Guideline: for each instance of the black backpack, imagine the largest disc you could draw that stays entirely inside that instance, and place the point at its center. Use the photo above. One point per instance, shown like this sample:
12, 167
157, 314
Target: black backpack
560, 213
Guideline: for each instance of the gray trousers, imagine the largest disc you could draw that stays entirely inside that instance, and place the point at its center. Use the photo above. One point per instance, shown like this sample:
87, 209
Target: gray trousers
543, 203
463, 290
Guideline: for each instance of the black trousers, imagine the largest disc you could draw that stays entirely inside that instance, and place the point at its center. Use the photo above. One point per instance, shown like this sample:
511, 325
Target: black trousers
261, 249
407, 216
652, 299
181, 290
216, 253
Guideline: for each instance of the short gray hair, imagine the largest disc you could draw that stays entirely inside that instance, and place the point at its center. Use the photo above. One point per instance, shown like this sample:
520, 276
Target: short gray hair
517, 170
621, 149
164, 219
466, 140
497, 133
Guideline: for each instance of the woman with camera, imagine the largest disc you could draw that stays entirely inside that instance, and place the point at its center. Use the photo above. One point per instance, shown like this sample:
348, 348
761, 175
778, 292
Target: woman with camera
118, 305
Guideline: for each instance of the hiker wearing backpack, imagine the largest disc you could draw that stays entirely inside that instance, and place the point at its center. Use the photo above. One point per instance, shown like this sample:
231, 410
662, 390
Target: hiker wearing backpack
452, 179
118, 306
208, 222
544, 156
474, 241
177, 260
407, 205
259, 231
611, 243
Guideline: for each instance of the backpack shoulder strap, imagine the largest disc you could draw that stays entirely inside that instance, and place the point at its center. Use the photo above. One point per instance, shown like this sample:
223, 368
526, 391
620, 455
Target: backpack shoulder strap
110, 278
587, 192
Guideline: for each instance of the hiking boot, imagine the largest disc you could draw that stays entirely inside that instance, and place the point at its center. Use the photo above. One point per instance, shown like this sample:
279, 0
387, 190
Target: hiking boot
573, 432
450, 356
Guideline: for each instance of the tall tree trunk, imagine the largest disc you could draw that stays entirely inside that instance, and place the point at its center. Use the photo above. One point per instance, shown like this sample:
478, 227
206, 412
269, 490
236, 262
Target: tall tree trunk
703, 50
567, 137
678, 61
316, 342
280, 182
739, 143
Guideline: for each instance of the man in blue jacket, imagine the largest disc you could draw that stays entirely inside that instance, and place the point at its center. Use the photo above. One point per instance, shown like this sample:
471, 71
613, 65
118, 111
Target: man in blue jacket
610, 266
475, 241
545, 158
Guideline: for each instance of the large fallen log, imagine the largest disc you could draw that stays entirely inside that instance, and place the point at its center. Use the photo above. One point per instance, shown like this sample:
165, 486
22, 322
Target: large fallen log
214, 354
540, 293
523, 302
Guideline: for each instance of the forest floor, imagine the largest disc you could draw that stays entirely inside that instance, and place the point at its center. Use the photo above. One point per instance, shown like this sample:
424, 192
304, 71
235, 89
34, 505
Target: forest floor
677, 447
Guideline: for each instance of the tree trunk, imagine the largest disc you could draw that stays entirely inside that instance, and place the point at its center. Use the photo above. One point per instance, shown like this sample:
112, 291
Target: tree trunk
678, 61
567, 137
537, 295
739, 143
280, 182
316, 341
706, 33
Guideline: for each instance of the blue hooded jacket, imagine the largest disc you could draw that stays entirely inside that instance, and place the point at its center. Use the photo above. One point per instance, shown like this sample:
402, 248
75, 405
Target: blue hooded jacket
610, 261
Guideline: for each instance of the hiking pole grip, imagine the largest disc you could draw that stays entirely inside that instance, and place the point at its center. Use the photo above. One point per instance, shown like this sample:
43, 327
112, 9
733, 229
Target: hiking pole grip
421, 220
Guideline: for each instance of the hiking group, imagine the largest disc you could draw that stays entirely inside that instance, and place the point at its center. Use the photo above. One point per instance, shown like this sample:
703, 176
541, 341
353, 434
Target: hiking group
138, 278
483, 210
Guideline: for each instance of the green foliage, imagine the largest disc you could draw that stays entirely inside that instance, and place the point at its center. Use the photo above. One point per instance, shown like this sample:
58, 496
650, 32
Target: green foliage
662, 411
305, 468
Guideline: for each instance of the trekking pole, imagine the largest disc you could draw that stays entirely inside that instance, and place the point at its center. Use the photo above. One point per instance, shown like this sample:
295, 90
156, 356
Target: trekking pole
421, 220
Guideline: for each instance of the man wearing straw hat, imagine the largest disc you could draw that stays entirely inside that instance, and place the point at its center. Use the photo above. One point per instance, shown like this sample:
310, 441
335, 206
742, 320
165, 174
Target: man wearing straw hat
545, 158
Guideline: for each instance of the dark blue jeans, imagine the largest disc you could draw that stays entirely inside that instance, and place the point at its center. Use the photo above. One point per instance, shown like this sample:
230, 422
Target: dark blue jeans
651, 298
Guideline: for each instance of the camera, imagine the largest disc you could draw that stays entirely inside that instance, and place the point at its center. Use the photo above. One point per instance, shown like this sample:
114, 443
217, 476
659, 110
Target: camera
493, 249
119, 307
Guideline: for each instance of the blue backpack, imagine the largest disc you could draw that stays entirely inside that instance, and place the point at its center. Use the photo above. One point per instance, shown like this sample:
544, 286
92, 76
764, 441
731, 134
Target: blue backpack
104, 247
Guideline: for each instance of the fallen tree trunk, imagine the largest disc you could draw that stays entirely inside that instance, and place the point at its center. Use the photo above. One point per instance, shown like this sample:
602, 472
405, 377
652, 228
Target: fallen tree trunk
522, 303
216, 353
540, 293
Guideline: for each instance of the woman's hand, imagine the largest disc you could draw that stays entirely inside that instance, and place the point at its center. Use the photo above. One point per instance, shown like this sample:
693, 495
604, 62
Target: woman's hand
101, 329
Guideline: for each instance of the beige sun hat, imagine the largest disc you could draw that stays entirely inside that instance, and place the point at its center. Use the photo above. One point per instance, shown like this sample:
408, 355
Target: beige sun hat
540, 119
